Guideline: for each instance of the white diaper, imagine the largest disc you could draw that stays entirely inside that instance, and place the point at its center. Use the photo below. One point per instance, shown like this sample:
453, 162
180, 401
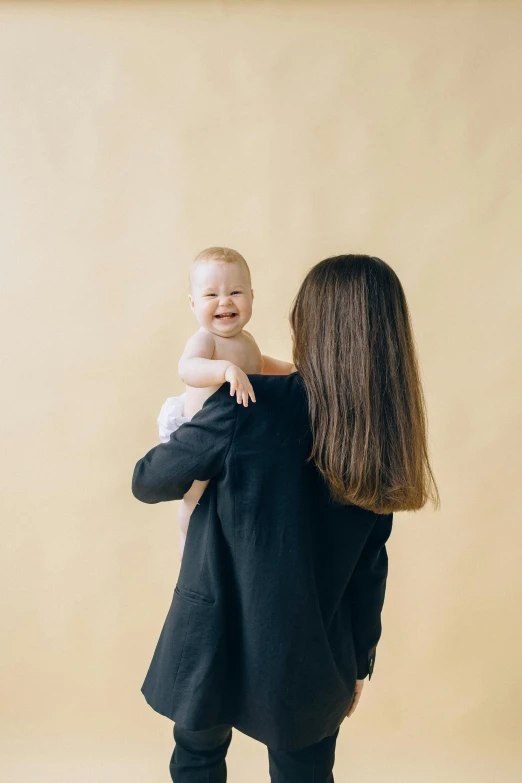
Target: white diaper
171, 416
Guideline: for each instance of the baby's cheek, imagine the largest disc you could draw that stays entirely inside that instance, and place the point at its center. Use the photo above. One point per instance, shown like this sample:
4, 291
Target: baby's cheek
209, 309
204, 316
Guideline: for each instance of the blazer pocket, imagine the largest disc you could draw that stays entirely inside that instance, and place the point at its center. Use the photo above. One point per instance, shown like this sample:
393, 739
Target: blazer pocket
192, 595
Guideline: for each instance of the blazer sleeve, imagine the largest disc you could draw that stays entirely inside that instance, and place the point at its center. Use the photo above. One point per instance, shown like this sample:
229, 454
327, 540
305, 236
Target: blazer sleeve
197, 450
366, 591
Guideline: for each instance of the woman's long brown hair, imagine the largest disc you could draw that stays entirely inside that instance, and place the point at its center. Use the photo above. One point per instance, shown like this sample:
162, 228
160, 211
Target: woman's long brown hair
355, 351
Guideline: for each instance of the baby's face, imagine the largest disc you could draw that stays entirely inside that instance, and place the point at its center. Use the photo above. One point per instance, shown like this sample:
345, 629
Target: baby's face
221, 297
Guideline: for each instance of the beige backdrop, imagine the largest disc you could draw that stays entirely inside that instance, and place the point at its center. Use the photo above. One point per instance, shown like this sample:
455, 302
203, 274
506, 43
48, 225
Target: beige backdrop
132, 135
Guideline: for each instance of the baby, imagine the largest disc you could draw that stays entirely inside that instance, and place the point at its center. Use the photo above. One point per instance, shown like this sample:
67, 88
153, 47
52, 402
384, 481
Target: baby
221, 350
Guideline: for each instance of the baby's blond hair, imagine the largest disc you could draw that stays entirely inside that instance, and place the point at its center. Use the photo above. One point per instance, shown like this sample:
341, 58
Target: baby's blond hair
220, 254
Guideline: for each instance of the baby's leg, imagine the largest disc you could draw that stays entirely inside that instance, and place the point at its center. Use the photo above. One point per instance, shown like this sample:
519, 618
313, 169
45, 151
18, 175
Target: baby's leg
187, 506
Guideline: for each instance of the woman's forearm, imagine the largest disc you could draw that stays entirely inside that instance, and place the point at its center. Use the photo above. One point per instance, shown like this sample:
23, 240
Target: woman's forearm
203, 372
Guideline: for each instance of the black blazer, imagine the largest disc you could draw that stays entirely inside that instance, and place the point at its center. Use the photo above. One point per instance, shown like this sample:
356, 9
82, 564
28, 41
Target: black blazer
277, 608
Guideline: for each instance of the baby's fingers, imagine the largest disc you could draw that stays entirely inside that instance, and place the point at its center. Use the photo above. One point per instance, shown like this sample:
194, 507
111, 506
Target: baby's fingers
251, 394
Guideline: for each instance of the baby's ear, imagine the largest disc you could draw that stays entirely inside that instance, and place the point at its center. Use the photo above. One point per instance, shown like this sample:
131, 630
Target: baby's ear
191, 302
252, 292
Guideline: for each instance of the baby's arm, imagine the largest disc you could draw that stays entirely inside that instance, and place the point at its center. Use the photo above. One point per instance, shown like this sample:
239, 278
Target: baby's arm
197, 368
276, 366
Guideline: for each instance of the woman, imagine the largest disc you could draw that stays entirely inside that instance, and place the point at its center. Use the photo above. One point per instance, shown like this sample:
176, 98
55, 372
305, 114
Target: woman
276, 615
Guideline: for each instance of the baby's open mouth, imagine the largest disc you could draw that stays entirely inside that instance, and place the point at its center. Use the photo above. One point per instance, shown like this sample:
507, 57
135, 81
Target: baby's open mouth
226, 316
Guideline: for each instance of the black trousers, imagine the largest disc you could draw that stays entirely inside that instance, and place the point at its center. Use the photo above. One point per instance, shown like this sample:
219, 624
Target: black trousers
199, 757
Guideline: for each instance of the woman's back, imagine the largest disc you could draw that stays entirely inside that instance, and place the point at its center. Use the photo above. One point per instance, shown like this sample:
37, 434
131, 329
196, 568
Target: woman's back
280, 591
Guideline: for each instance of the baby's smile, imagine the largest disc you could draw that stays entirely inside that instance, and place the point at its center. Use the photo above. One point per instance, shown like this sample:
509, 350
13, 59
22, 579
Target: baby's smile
226, 316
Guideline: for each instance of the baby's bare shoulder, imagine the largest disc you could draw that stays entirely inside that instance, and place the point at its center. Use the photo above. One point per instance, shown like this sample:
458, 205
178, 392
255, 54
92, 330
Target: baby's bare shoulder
201, 343
249, 337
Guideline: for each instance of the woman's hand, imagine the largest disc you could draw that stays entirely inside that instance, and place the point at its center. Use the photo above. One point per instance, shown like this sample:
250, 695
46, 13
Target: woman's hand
359, 684
239, 384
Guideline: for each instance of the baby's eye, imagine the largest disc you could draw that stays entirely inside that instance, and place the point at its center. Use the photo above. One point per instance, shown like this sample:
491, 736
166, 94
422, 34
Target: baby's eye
209, 294
236, 292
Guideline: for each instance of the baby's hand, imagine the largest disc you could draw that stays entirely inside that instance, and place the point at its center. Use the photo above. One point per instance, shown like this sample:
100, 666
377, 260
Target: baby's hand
239, 384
